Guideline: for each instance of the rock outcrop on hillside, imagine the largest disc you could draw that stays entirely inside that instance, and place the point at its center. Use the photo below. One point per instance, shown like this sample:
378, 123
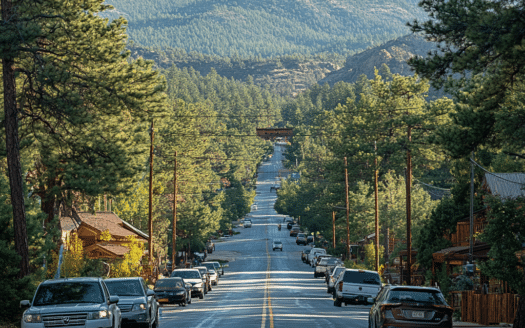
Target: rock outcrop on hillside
394, 54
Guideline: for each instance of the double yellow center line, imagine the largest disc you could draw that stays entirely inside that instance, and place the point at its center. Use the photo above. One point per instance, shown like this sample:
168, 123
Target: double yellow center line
267, 303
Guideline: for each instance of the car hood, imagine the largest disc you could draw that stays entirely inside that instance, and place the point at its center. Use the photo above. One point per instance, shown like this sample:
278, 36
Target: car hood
61, 308
131, 299
193, 281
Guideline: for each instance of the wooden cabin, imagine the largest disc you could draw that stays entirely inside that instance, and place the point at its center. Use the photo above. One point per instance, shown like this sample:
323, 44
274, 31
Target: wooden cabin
90, 228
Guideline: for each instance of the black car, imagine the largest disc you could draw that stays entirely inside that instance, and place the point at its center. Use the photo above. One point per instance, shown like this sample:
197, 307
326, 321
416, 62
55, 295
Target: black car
409, 306
172, 291
304, 254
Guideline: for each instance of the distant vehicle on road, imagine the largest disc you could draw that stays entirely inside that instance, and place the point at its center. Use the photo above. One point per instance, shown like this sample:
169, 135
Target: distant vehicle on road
295, 231
277, 244
410, 306
137, 302
192, 276
247, 223
300, 239
215, 265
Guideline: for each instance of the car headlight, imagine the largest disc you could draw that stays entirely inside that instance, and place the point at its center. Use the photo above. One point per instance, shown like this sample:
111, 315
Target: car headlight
198, 285
138, 307
32, 318
103, 314
180, 292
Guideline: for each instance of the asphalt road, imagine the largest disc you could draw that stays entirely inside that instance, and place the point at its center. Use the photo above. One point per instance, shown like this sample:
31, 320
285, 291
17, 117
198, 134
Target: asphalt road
263, 288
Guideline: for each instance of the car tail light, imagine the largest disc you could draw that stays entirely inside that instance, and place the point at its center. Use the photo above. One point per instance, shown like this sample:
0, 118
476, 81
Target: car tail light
340, 286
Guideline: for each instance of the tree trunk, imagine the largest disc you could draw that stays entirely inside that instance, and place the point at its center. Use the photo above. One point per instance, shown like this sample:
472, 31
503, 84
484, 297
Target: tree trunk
13, 155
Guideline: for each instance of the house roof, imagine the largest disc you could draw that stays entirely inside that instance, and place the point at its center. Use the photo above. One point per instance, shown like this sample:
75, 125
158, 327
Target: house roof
505, 185
68, 223
102, 221
113, 249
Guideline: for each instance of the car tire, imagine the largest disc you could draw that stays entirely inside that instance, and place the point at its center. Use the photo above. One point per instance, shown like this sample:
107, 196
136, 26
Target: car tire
201, 296
337, 302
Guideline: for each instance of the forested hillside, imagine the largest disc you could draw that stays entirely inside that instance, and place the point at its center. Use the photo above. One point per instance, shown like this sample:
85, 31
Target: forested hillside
266, 28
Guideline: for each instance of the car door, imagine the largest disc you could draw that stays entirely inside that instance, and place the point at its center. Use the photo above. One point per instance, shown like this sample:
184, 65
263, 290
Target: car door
113, 308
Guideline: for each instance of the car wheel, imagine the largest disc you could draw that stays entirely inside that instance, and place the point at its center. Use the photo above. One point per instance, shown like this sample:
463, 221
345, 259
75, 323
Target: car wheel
315, 275
201, 296
337, 302
185, 302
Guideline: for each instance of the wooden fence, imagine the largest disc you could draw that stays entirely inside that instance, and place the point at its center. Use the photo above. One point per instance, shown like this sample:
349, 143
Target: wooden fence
486, 309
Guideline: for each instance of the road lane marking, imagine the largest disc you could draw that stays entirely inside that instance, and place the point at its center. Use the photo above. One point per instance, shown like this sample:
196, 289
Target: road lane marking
267, 298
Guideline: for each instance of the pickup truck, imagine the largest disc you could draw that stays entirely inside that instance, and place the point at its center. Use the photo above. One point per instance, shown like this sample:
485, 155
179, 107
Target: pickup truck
356, 286
79, 302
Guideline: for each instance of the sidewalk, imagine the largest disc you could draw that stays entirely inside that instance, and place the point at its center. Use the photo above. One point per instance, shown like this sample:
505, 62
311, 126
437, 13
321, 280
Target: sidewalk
470, 324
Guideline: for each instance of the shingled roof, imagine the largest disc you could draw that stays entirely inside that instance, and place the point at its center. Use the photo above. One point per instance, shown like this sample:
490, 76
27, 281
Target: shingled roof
505, 185
103, 221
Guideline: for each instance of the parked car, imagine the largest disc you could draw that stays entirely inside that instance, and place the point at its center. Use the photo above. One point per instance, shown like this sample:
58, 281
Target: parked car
410, 306
333, 278
309, 240
324, 265
206, 278
356, 286
304, 254
247, 223
84, 302
313, 252
216, 265
289, 224
137, 302
277, 244
295, 231
300, 239
214, 277
192, 276
173, 291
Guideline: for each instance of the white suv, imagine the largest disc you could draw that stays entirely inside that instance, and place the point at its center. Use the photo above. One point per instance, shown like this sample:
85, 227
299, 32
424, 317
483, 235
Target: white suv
82, 302
356, 286
312, 256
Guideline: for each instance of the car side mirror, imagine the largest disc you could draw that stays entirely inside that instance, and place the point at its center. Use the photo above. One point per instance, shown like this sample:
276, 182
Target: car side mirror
113, 299
150, 292
25, 303
370, 300
188, 286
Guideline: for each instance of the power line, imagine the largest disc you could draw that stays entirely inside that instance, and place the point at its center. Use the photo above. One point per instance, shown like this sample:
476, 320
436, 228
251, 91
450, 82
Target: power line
493, 174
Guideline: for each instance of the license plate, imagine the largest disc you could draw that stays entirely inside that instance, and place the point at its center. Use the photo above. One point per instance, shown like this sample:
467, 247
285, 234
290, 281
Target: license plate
163, 300
418, 314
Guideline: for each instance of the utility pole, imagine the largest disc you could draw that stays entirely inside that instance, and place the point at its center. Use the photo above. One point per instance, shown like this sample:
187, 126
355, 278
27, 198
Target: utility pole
333, 226
347, 211
174, 225
471, 239
376, 196
409, 207
150, 211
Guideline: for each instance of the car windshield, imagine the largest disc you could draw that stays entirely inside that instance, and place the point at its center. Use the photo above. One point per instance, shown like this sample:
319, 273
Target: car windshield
125, 287
186, 274
168, 283
277, 242
337, 271
203, 271
362, 277
69, 292
306, 251
416, 296
333, 261
210, 266
301, 235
